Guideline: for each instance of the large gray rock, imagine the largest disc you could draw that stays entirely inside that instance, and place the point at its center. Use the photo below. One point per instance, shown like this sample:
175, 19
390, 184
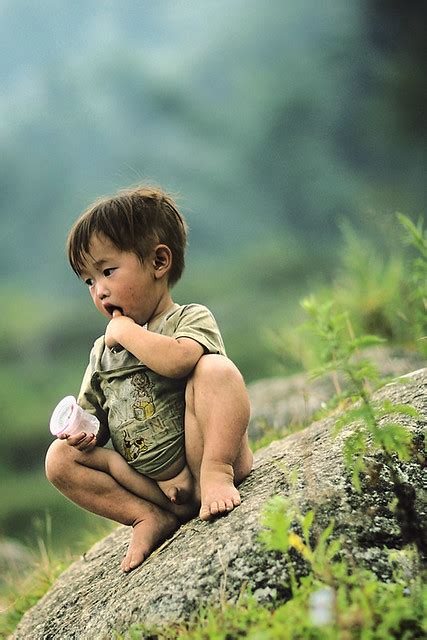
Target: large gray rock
282, 404
206, 562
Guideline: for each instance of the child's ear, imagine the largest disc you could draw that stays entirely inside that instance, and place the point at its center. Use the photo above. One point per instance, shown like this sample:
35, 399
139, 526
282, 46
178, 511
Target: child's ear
162, 260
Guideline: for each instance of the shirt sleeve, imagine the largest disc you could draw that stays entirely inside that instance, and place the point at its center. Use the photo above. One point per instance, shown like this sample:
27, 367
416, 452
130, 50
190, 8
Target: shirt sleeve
89, 397
197, 322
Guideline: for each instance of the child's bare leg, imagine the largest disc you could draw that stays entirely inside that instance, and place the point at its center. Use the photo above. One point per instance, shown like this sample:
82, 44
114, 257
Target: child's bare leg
180, 488
216, 420
97, 491
116, 466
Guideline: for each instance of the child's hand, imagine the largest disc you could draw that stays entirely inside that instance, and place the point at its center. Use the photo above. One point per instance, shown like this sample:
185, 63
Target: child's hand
115, 329
82, 441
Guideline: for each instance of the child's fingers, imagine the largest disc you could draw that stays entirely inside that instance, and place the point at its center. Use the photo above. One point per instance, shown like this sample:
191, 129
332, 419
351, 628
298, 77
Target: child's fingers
87, 442
75, 439
116, 313
90, 442
81, 440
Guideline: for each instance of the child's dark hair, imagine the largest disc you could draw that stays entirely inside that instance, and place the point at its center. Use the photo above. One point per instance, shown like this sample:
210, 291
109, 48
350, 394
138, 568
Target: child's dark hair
133, 220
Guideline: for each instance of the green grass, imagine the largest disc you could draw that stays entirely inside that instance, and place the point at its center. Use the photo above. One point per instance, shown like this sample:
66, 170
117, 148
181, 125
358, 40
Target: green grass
21, 590
18, 594
369, 610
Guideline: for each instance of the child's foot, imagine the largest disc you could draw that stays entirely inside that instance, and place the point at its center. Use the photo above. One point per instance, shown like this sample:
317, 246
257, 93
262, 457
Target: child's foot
179, 489
147, 534
218, 493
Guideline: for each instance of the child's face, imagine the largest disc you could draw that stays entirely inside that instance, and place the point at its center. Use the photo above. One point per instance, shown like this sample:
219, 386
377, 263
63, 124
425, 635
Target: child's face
119, 280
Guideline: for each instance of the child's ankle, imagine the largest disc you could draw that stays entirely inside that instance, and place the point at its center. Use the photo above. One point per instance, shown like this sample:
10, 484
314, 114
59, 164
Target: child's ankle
222, 467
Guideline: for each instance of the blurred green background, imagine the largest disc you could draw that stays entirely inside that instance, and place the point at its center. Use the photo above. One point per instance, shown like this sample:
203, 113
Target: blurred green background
274, 123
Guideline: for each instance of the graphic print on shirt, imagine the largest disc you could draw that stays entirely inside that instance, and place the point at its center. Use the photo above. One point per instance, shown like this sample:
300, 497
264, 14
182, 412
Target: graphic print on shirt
143, 408
143, 404
132, 448
145, 416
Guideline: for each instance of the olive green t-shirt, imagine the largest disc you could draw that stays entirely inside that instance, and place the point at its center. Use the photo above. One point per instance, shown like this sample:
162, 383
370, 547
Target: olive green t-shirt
144, 411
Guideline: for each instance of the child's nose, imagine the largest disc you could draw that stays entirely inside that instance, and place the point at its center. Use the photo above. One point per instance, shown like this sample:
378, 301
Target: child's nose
102, 291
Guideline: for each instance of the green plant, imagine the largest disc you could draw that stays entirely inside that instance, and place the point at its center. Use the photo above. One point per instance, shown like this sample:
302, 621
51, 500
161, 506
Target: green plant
368, 284
334, 601
373, 428
19, 593
416, 296
384, 293
222, 621
340, 354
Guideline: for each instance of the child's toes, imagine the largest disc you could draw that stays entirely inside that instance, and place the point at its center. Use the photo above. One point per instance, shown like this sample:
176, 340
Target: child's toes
229, 505
222, 507
125, 566
215, 508
205, 513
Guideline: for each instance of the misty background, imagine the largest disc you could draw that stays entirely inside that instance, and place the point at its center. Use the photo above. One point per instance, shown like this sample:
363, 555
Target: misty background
273, 123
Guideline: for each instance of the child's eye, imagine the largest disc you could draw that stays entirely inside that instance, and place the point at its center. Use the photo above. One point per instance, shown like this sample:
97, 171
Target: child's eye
89, 282
107, 272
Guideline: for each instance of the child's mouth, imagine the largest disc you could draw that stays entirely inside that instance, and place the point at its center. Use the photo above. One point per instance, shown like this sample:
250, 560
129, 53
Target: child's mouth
110, 308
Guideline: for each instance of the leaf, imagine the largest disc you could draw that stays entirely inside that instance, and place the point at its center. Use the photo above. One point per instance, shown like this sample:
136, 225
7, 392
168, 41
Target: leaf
394, 438
277, 519
333, 549
415, 235
358, 467
367, 341
388, 408
321, 546
356, 414
306, 525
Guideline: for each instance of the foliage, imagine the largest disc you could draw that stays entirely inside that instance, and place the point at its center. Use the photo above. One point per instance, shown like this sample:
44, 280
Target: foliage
417, 284
224, 622
21, 591
385, 292
369, 284
334, 600
382, 291
339, 353
372, 425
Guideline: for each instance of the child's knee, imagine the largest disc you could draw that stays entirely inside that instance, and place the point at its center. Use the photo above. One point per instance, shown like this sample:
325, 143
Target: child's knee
217, 381
58, 458
52, 461
216, 369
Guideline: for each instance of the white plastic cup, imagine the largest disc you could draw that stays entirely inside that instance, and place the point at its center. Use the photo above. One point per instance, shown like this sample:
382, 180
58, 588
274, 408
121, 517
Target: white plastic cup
68, 417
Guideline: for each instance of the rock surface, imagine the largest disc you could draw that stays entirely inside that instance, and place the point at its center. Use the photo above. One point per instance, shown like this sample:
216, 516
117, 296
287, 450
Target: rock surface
279, 404
207, 562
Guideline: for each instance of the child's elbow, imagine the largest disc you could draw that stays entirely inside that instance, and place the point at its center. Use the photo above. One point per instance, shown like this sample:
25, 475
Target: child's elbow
181, 370
184, 358
182, 367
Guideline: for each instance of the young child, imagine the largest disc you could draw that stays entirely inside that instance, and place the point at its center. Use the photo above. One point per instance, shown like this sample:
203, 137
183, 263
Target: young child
175, 407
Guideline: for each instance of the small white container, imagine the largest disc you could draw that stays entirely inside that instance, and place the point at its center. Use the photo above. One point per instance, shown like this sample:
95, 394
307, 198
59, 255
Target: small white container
68, 417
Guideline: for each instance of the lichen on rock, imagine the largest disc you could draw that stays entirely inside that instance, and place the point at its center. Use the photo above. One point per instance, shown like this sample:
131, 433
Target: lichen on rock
206, 562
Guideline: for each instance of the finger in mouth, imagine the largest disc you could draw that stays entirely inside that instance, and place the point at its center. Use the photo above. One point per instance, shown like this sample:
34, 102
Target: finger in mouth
110, 308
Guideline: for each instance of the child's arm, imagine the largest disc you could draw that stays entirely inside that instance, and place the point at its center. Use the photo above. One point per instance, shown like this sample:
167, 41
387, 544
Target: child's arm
170, 357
